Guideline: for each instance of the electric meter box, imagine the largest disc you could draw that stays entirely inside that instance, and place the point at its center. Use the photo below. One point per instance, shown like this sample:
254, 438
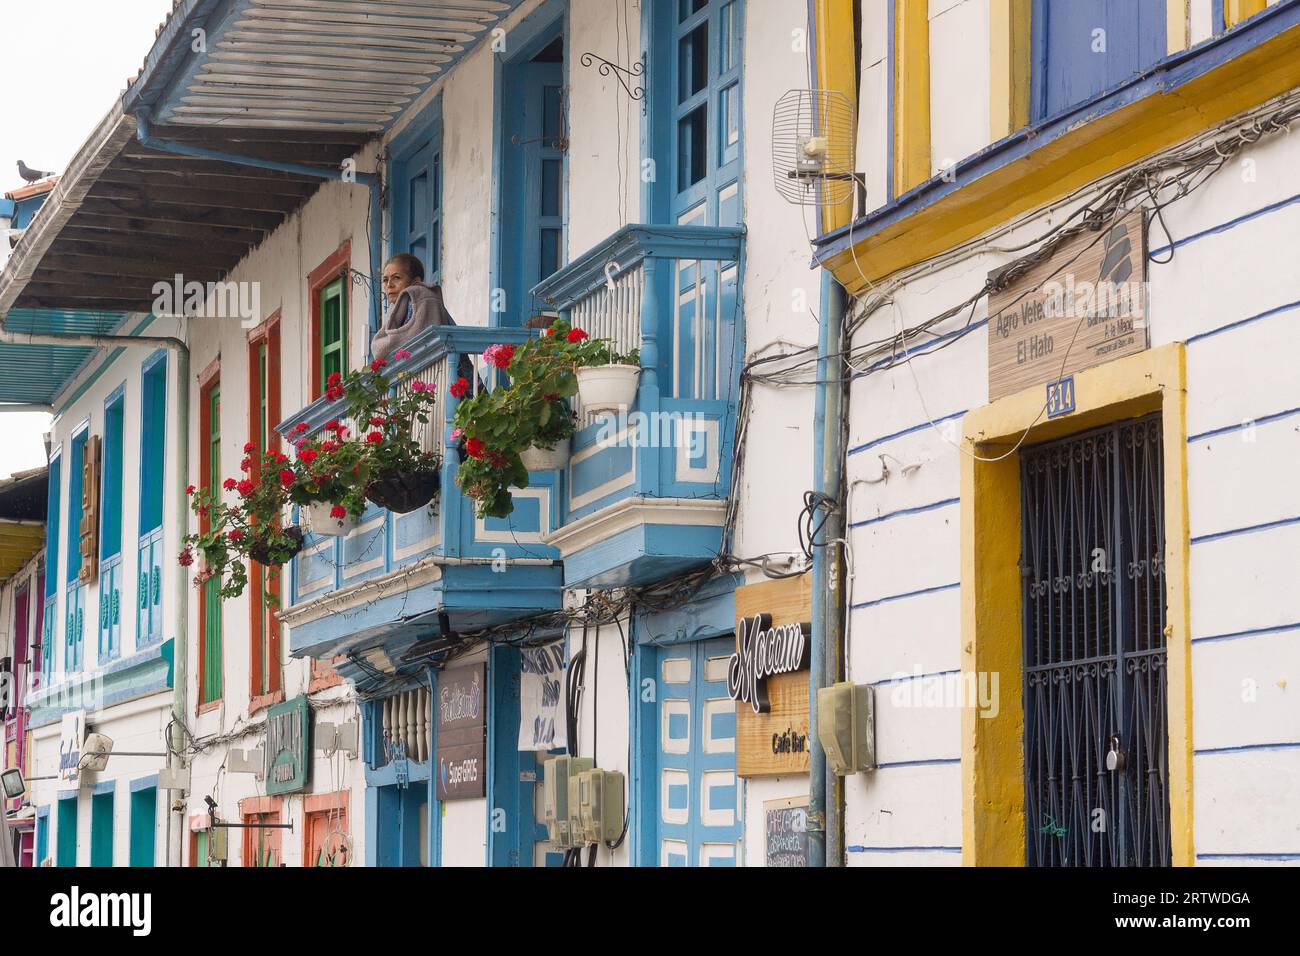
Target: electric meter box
846, 727
555, 797
596, 806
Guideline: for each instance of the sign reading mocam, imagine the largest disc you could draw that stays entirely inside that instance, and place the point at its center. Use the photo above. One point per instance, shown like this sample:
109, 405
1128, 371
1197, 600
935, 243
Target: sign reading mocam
767, 677
462, 733
762, 651
1082, 306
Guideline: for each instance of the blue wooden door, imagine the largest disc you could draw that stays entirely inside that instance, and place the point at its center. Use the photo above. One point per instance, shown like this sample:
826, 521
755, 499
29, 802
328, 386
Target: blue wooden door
1084, 47
699, 793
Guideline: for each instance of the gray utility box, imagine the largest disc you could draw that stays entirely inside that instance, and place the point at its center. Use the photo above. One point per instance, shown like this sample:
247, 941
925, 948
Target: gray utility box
846, 727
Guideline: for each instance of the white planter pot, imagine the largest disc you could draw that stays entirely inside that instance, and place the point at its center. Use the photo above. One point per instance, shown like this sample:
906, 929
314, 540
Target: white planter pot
318, 514
604, 388
546, 459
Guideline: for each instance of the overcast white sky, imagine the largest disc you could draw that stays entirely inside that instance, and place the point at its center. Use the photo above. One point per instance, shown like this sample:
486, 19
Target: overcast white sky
64, 64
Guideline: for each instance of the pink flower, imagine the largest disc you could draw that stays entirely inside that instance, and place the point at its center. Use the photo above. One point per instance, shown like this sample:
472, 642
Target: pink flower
455, 434
402, 355
418, 386
499, 356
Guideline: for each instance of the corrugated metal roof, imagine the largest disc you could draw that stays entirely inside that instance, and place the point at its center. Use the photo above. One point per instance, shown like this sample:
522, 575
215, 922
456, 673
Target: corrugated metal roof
325, 64
36, 373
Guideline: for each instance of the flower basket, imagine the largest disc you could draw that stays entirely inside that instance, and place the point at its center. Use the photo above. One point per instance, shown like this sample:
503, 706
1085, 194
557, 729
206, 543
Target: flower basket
546, 459
608, 387
402, 492
320, 514
289, 543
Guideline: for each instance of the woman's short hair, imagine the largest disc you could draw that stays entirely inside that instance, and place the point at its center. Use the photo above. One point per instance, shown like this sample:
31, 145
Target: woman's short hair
413, 266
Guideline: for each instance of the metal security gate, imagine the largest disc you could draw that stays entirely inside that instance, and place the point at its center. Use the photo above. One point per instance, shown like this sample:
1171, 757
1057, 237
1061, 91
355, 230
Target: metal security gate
1096, 741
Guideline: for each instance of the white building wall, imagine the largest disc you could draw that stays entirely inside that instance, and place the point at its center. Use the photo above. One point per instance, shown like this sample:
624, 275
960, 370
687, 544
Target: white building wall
907, 619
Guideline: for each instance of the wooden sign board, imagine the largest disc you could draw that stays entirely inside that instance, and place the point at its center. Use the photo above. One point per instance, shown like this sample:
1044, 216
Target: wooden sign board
776, 742
785, 827
1084, 305
88, 532
462, 733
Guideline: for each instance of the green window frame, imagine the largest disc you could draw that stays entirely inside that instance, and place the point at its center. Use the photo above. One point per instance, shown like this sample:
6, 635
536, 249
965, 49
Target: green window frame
144, 826
212, 617
333, 329
101, 829
66, 836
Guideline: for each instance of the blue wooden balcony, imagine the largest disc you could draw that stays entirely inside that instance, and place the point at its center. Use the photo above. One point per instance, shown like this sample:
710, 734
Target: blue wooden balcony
397, 580
645, 492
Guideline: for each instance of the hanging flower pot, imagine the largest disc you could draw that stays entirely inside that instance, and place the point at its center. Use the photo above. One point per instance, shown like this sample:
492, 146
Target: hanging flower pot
607, 387
330, 520
278, 549
402, 492
546, 459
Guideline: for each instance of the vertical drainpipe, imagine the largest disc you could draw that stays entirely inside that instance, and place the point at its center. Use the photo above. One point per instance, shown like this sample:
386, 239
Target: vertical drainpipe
180, 643
825, 835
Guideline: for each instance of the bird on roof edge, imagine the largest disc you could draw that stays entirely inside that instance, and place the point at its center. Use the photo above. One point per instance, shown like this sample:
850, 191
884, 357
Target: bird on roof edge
31, 175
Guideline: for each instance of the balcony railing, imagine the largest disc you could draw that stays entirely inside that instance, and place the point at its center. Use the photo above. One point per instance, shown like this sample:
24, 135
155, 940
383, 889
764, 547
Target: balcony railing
446, 545
657, 476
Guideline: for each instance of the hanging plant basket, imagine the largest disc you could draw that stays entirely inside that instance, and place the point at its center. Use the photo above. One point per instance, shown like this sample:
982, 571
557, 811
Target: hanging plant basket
546, 459
402, 492
604, 388
322, 523
260, 551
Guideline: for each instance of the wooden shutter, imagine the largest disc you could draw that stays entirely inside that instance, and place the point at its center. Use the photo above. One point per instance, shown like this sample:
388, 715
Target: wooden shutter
89, 529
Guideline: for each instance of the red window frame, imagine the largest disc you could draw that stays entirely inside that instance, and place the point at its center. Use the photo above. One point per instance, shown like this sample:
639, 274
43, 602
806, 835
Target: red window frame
263, 625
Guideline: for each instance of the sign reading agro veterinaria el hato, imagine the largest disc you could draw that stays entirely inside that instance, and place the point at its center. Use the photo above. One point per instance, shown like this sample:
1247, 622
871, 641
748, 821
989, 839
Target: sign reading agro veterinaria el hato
1084, 305
462, 732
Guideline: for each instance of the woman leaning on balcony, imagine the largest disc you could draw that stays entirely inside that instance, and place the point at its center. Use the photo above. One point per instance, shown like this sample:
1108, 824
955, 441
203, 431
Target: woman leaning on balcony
413, 305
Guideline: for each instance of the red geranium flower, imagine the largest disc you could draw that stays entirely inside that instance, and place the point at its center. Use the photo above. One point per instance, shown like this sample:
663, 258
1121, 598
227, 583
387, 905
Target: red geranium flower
459, 388
328, 446
236, 536
377, 364
246, 488
286, 478
338, 512
577, 335
307, 456
332, 425
250, 448
374, 438
551, 397
474, 448
378, 422
281, 458
229, 484
246, 465
334, 379
334, 393
190, 490
186, 558
300, 427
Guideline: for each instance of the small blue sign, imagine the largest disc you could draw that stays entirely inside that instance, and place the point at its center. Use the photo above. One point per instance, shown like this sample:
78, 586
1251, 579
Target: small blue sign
1060, 397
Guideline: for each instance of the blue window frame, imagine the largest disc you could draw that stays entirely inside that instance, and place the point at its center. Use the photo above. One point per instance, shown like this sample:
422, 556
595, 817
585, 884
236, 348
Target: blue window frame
1081, 48
416, 174
153, 466
110, 536
153, 441
53, 509
42, 835
699, 117
534, 140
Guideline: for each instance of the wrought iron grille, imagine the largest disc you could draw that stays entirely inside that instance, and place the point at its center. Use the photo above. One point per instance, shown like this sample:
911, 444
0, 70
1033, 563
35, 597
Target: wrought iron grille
1094, 649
